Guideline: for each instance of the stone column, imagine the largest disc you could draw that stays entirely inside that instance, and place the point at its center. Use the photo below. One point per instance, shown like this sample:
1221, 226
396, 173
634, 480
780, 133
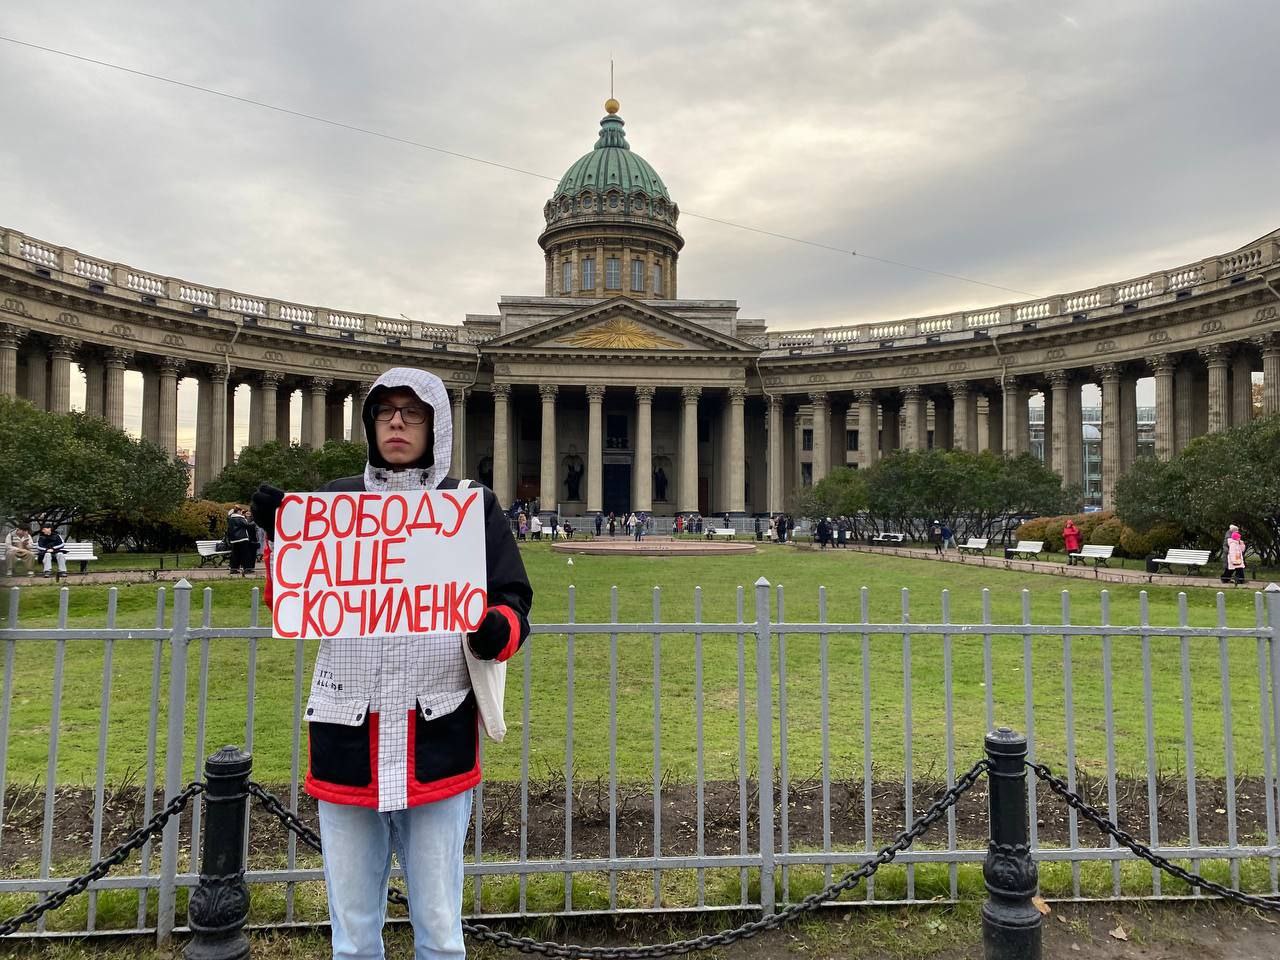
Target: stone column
64, 348
170, 369
358, 397
890, 426
503, 473
914, 411
595, 448
689, 449
1109, 374
943, 423
151, 404
38, 375
821, 456
642, 467
868, 429
1269, 344
1046, 431
1184, 401
335, 405
1056, 404
1075, 435
204, 445
1215, 357
775, 454
1015, 416
316, 399
1162, 368
284, 415
995, 422
255, 410
1241, 387
230, 453
265, 394
117, 362
459, 452
1128, 420
218, 377
10, 336
547, 485
95, 381
737, 450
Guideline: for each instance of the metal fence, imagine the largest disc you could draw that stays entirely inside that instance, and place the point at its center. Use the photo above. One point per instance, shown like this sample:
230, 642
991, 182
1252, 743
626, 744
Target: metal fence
725, 762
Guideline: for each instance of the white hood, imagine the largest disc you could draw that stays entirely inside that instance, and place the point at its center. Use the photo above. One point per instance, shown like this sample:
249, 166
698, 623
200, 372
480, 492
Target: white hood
431, 391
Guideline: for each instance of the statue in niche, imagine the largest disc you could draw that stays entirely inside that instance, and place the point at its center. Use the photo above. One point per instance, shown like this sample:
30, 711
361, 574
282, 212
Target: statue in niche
573, 477
660, 484
484, 471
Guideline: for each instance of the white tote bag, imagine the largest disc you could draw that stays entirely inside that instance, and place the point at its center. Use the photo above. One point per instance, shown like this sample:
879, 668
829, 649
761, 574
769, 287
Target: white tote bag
489, 682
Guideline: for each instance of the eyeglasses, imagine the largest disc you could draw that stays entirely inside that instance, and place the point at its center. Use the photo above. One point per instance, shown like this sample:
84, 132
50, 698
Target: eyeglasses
413, 414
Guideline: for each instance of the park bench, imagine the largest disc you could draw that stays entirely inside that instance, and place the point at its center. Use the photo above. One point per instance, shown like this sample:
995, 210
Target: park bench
1026, 549
79, 551
976, 544
1096, 552
209, 553
889, 538
1193, 560
727, 532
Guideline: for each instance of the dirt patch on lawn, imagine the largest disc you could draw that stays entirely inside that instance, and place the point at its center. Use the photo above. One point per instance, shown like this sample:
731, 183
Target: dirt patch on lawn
123, 811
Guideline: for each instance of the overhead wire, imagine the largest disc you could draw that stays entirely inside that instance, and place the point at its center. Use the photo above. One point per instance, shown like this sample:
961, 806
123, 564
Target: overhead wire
410, 142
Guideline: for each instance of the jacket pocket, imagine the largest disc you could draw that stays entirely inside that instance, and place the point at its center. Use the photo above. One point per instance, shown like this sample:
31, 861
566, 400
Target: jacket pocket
444, 742
340, 753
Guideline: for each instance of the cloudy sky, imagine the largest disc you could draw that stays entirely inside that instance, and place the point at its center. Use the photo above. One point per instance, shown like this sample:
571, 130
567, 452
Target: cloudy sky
1038, 147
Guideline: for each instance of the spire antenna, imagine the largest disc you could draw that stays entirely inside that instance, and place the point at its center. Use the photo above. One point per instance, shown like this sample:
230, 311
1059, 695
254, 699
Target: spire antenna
610, 77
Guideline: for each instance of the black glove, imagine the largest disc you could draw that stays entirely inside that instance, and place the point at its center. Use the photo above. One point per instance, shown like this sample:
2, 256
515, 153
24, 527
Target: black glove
263, 505
491, 637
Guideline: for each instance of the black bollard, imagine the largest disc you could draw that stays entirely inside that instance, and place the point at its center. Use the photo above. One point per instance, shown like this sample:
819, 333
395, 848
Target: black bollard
1011, 924
220, 904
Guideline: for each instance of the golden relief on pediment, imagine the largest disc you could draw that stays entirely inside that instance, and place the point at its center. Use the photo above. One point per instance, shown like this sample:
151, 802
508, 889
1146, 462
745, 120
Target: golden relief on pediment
620, 333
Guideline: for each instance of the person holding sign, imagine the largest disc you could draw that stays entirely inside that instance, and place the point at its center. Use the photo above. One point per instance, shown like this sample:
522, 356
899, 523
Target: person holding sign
394, 571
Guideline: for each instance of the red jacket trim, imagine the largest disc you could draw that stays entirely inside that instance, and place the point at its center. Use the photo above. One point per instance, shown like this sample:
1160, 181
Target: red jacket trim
343, 793
420, 793
513, 634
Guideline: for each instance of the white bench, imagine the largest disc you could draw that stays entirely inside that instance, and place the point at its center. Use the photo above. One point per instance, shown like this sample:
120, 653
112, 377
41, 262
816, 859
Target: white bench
889, 538
727, 532
1098, 553
79, 551
1026, 548
976, 544
1193, 560
209, 552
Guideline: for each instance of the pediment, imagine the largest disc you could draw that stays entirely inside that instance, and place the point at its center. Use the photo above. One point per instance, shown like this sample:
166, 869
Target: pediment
619, 325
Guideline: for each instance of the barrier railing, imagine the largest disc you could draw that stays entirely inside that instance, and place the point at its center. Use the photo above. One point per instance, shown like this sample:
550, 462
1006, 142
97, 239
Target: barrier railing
763, 663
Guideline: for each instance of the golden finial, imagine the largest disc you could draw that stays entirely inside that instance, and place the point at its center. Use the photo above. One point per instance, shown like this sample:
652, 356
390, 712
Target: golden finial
611, 106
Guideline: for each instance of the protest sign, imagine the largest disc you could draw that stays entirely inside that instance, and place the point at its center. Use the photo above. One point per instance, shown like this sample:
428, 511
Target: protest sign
379, 564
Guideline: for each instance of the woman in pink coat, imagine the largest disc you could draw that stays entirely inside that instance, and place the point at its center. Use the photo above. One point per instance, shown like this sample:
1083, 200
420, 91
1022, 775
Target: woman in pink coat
1235, 558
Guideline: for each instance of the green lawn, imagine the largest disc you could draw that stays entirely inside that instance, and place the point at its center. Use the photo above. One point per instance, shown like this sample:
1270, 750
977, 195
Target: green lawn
801, 571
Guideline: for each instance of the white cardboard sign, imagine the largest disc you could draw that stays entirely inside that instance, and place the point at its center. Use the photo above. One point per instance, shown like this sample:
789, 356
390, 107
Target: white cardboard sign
379, 564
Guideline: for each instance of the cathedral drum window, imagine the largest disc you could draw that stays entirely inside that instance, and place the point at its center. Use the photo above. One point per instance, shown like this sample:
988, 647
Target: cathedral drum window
613, 274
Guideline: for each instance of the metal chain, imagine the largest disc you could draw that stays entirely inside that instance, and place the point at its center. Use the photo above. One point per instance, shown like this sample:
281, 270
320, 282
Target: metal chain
1126, 839
654, 951
100, 869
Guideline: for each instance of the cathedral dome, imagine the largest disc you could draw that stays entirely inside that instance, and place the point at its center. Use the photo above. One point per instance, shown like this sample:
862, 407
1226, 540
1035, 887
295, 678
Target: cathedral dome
610, 224
612, 180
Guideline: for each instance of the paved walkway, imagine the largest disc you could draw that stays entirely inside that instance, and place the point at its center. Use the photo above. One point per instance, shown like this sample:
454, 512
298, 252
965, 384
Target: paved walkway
1082, 572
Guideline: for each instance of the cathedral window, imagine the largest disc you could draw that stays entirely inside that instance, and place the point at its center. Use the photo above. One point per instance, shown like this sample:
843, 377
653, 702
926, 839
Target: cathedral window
566, 277
637, 275
613, 274
588, 273
657, 279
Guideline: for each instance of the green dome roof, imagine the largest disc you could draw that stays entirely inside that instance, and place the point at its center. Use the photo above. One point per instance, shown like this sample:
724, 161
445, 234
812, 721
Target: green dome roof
612, 164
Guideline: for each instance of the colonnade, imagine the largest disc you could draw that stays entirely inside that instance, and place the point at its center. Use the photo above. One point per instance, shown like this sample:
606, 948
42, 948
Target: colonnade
639, 451
40, 370
1204, 391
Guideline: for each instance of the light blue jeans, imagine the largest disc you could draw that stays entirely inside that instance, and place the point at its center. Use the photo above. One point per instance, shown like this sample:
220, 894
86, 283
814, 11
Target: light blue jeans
428, 841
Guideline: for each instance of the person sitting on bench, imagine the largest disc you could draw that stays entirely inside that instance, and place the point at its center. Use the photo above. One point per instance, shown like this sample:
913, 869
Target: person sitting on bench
50, 545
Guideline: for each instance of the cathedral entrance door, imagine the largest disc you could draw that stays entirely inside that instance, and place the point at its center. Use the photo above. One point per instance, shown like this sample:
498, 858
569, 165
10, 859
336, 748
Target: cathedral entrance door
617, 488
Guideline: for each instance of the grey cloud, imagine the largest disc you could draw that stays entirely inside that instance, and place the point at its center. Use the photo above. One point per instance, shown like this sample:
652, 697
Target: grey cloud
1039, 148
